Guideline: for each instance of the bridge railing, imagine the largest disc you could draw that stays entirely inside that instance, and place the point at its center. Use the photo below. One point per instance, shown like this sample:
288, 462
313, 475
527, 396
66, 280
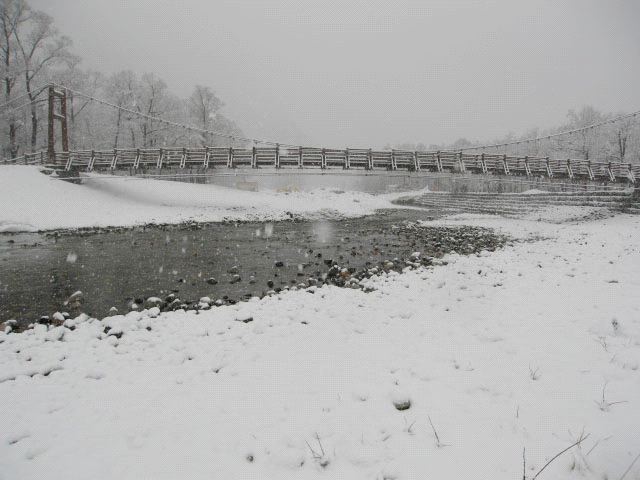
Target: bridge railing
324, 158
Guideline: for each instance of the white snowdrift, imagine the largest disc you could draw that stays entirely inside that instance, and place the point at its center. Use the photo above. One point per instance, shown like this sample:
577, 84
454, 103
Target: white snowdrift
31, 201
500, 352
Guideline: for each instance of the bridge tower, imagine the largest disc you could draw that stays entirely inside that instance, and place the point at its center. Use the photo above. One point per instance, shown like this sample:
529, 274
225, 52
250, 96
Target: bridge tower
60, 116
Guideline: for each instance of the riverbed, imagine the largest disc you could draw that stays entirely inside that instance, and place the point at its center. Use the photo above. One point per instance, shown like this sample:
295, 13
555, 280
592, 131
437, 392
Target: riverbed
227, 262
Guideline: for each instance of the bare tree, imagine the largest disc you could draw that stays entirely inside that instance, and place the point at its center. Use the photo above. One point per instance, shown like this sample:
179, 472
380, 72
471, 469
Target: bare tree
13, 13
582, 143
224, 125
41, 45
120, 89
619, 137
151, 97
203, 108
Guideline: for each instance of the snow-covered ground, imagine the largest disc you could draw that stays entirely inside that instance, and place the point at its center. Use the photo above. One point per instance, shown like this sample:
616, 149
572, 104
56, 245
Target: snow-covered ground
530, 347
101, 201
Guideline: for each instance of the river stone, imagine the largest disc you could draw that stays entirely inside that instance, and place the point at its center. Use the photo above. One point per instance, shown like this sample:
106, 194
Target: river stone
9, 326
212, 281
235, 279
153, 302
244, 317
233, 269
74, 296
57, 319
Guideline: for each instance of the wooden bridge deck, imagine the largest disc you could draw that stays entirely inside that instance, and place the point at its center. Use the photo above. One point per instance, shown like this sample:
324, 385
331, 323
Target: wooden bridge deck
205, 158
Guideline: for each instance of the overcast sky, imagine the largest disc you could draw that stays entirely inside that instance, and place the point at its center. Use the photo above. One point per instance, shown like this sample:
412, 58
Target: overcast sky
368, 73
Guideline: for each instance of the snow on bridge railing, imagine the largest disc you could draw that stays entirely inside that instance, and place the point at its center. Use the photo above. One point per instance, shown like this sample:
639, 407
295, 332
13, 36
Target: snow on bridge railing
27, 159
278, 157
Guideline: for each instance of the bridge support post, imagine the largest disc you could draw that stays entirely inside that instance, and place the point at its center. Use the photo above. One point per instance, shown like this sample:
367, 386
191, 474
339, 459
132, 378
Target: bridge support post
416, 162
300, 162
254, 163
160, 158
114, 160
569, 169
183, 158
483, 163
277, 155
527, 167
548, 165
53, 116
347, 162
463, 168
590, 171
369, 160
505, 165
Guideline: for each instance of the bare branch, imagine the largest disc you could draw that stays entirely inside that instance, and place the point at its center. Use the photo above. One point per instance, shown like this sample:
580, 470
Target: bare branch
580, 440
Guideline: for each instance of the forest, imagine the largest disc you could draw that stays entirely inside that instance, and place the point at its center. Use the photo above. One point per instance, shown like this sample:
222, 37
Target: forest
601, 136
34, 54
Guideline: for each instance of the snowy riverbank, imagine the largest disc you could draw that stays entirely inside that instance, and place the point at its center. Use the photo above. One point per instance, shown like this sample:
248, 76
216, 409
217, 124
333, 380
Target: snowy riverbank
495, 353
49, 203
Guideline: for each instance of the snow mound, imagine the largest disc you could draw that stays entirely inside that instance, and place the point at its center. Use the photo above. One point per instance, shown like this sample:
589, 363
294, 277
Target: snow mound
31, 201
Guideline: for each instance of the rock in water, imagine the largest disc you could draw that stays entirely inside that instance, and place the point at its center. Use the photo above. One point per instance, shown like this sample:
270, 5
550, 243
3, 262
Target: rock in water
75, 300
153, 302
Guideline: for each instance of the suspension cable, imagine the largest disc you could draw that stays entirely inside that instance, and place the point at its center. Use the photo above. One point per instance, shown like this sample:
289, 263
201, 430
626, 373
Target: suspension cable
39, 89
553, 135
172, 123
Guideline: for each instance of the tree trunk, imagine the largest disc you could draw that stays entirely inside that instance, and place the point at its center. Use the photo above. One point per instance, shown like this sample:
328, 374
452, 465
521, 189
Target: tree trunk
622, 145
73, 122
34, 113
34, 126
115, 143
13, 148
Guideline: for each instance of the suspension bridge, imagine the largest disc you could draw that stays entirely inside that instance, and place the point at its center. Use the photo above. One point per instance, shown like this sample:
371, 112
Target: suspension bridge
277, 157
